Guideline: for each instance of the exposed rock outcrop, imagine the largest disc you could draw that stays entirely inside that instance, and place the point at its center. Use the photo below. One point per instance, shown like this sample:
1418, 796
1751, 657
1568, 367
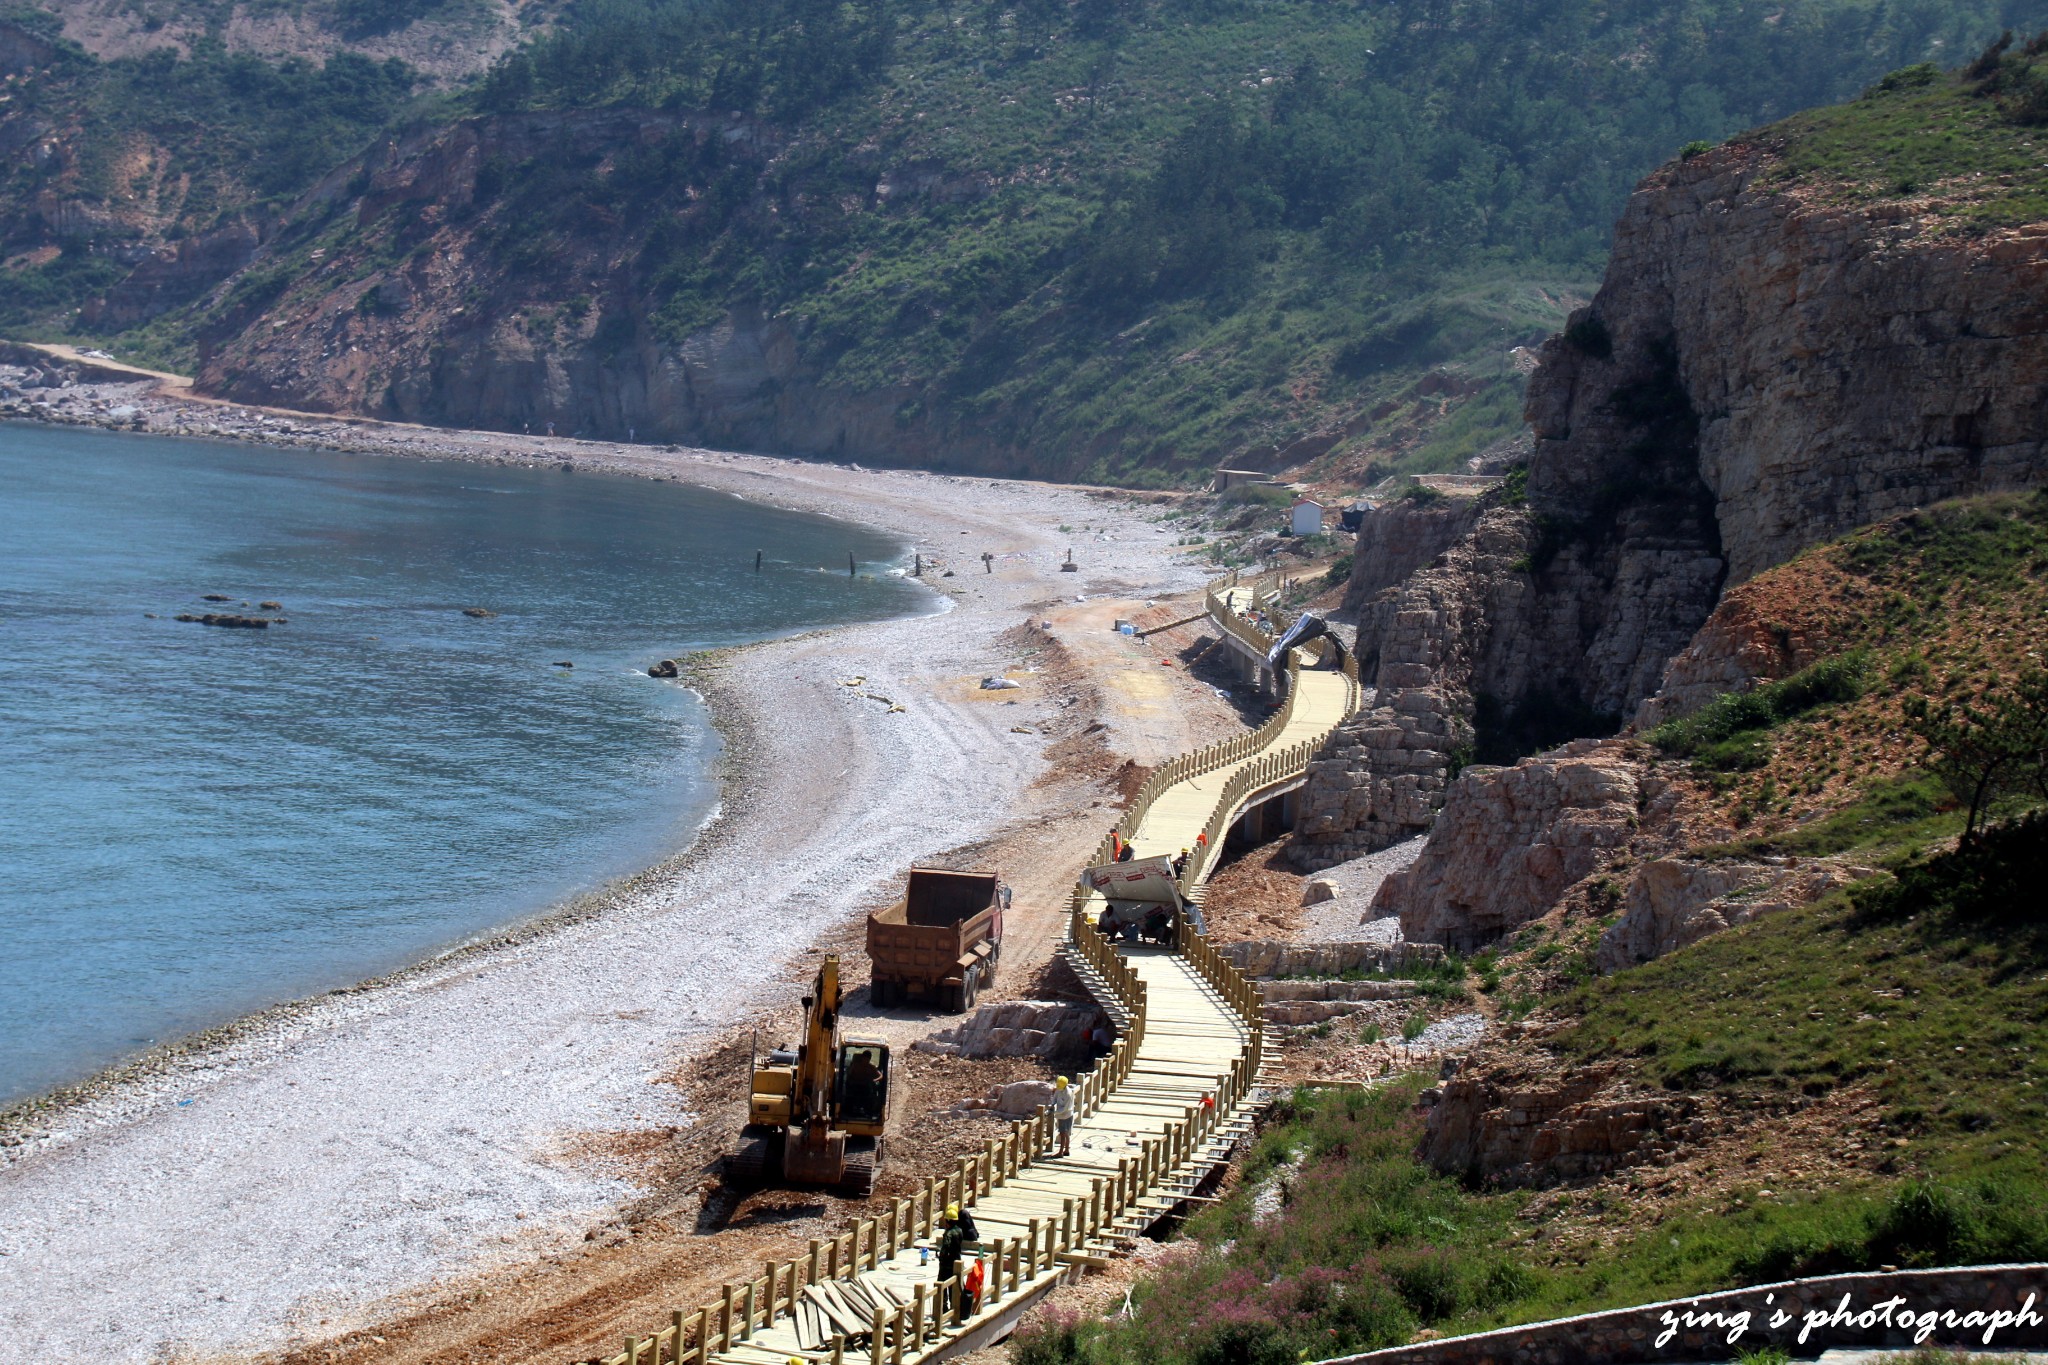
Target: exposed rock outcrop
1511, 840
1675, 901
1400, 537
464, 335
1018, 1028
176, 273
1511, 1123
1918, 357
1759, 372
1380, 777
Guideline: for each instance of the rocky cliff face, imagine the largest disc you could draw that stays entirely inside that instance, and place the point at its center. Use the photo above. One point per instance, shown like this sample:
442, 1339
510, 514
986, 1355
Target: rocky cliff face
1758, 373
1512, 1120
1843, 364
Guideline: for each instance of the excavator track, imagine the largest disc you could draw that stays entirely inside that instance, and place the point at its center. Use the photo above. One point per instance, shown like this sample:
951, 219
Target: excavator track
756, 1161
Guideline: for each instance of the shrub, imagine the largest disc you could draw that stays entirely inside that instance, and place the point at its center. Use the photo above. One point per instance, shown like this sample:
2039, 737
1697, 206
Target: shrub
1589, 335
1727, 732
1993, 747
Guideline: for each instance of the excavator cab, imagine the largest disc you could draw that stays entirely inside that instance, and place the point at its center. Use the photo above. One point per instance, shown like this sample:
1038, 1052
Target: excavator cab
863, 1093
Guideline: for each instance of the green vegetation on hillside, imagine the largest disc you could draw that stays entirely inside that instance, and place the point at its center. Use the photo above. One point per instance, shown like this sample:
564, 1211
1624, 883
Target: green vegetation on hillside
1869, 1071
166, 147
1730, 731
1928, 988
1972, 141
1164, 233
1128, 237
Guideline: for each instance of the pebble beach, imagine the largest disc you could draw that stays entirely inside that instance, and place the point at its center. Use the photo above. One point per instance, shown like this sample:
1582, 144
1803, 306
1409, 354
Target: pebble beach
274, 1181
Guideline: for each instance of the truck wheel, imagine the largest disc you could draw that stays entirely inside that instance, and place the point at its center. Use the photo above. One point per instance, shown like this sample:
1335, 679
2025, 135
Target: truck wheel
878, 994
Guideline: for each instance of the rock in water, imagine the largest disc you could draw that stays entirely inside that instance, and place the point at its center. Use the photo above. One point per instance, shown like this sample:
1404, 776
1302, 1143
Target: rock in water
225, 619
216, 597
665, 669
270, 606
480, 613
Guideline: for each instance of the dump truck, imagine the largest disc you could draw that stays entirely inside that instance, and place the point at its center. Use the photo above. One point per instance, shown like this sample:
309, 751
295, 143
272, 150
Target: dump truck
819, 1110
941, 942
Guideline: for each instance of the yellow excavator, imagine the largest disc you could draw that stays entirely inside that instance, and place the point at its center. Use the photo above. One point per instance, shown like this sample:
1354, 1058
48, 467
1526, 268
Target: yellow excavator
819, 1110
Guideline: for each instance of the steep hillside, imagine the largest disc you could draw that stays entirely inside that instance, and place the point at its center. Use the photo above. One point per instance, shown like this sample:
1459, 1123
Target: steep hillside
444, 40
1818, 325
1119, 240
131, 187
1838, 1062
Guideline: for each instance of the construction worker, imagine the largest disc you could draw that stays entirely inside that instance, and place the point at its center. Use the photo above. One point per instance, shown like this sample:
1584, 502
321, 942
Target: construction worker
1180, 865
952, 1238
1063, 1114
972, 1289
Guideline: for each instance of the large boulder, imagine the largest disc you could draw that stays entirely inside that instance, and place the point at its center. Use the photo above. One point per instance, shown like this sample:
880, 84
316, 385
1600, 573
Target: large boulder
1511, 840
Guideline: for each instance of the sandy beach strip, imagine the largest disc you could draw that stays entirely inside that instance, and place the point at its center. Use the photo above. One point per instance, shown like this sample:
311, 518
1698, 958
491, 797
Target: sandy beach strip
288, 1179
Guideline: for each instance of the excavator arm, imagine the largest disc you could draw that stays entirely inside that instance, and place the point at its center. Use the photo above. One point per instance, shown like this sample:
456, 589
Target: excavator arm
817, 1060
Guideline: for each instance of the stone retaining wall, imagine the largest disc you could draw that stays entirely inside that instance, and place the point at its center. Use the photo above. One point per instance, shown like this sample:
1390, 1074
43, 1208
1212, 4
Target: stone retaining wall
1336, 990
1983, 1307
1272, 957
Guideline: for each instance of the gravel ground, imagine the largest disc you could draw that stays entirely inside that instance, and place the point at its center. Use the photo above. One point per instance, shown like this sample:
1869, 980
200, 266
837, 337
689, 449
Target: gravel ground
276, 1181
1344, 918
1458, 1031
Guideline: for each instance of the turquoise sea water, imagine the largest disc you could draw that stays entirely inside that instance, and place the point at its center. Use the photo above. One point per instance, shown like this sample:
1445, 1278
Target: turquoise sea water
196, 822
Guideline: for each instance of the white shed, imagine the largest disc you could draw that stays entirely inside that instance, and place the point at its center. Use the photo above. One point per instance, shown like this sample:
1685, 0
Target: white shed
1306, 517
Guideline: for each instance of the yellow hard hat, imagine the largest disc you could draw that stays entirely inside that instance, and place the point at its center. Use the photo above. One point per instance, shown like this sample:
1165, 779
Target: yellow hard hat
1060, 1084
952, 1210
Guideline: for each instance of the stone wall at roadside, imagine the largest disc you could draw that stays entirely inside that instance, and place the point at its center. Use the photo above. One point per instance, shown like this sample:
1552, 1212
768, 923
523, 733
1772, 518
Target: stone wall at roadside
1265, 957
1865, 1311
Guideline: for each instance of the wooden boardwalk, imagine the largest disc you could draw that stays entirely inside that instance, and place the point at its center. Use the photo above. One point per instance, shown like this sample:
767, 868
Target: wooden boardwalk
1152, 1120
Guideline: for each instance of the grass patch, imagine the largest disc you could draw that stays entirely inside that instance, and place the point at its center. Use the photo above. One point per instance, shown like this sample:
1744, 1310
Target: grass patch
1927, 986
1973, 138
1730, 732
1369, 1246
1893, 818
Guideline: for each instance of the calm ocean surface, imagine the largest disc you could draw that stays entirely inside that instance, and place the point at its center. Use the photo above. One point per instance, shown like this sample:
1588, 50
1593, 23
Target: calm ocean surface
197, 822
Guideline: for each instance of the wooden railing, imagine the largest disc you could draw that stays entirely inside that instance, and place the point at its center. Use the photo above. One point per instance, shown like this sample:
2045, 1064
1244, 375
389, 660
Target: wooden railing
752, 1305
1013, 1265
1221, 754
1239, 991
1229, 751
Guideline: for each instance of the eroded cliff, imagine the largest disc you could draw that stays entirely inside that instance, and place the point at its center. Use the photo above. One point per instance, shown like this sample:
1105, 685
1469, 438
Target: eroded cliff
1775, 357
